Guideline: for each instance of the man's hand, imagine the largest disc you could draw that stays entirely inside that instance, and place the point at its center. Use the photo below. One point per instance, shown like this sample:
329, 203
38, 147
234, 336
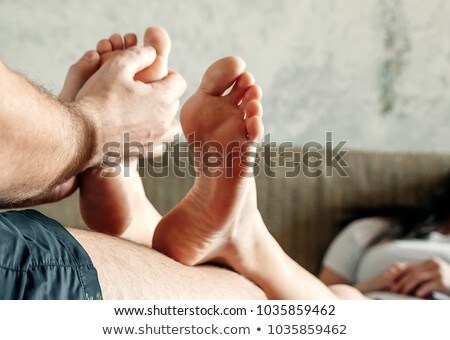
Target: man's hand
422, 278
46, 142
113, 103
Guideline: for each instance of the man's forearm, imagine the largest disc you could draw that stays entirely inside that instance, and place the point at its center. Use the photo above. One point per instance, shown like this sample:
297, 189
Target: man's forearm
43, 142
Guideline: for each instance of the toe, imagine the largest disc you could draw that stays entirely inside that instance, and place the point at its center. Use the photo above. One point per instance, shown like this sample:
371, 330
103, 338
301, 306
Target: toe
239, 88
254, 92
253, 108
78, 74
116, 41
159, 39
104, 46
221, 75
253, 122
130, 40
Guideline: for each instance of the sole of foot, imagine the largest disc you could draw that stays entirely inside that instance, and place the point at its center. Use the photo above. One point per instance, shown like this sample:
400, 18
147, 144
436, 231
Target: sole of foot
218, 218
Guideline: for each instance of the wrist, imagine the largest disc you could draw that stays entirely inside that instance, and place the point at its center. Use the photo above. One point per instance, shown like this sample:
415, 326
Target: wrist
85, 117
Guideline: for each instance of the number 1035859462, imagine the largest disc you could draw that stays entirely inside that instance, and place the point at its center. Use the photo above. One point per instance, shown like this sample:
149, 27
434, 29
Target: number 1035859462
296, 310
306, 329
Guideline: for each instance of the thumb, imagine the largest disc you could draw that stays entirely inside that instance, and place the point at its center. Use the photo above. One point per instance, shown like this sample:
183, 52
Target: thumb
133, 60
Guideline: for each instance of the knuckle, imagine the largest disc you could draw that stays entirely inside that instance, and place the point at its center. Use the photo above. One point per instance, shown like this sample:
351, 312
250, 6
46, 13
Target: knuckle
119, 64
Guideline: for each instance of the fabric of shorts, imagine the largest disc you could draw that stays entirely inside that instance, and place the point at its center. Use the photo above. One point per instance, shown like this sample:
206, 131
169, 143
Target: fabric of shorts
41, 260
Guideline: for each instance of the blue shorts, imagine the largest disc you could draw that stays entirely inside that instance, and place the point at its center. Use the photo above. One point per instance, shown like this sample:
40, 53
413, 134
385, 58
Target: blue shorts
40, 259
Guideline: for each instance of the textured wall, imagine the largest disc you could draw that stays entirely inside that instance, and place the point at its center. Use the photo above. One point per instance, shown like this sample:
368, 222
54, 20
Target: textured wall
376, 72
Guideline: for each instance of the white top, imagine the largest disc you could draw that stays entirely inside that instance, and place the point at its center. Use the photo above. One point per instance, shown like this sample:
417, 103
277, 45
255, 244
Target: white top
349, 256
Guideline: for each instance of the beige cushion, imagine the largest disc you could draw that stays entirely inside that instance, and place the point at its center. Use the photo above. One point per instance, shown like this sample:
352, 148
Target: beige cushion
304, 213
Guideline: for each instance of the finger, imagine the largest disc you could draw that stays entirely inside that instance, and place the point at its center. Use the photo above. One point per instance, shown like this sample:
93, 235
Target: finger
174, 85
409, 282
416, 281
424, 265
401, 265
426, 288
133, 60
411, 269
394, 273
78, 74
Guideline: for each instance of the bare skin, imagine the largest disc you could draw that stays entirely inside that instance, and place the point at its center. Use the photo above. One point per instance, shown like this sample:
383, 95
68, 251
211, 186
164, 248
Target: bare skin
218, 221
123, 214
130, 271
419, 279
219, 206
68, 138
127, 270
384, 281
157, 37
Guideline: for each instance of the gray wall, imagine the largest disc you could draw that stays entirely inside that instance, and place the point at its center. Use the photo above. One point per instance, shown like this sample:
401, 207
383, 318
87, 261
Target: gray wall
376, 72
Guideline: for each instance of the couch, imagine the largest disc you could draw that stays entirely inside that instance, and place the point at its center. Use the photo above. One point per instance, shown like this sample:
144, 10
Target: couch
305, 213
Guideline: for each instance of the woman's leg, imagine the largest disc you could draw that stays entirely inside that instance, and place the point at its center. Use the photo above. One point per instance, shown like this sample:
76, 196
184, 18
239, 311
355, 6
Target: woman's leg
218, 220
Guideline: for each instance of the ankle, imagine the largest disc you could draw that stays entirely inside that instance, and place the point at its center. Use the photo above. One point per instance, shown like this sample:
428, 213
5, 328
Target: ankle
264, 258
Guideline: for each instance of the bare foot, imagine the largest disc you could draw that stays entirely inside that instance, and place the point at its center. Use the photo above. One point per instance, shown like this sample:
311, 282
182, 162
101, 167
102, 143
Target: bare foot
78, 75
157, 37
218, 219
118, 205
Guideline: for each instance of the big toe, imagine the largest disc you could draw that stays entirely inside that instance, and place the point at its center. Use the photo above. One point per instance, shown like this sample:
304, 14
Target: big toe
221, 75
159, 39
78, 74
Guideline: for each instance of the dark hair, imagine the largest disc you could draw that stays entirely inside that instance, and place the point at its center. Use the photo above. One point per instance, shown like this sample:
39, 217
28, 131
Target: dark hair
412, 221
